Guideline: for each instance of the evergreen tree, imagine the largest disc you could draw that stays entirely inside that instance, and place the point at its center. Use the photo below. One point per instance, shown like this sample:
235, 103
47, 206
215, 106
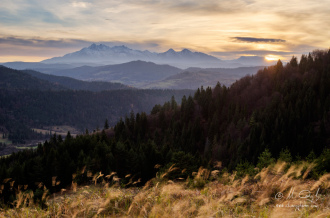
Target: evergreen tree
174, 105
303, 64
294, 62
106, 124
265, 159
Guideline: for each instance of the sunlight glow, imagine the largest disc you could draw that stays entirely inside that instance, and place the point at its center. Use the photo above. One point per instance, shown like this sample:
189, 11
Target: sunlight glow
273, 57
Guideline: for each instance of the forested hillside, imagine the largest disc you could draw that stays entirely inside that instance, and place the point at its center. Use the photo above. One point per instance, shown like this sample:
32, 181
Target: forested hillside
74, 84
11, 79
15, 79
134, 73
80, 109
29, 99
282, 111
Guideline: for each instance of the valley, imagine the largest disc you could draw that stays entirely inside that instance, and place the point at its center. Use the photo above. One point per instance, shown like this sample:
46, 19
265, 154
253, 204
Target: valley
7, 146
64, 94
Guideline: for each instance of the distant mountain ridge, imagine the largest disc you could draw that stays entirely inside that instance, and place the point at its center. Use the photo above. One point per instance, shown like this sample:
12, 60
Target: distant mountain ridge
19, 65
193, 78
134, 73
100, 55
74, 84
142, 74
11, 79
103, 54
250, 61
32, 80
144, 69
41, 67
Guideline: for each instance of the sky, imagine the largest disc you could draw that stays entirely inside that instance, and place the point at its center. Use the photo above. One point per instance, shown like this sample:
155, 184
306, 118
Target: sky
34, 30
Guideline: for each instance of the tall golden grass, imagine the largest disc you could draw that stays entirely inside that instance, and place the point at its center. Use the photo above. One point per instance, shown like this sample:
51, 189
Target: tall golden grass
276, 191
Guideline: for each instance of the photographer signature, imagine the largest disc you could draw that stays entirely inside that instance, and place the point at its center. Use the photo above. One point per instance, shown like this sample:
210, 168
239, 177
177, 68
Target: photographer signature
304, 194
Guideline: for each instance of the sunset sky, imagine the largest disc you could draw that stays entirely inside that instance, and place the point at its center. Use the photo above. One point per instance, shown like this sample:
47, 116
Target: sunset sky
33, 30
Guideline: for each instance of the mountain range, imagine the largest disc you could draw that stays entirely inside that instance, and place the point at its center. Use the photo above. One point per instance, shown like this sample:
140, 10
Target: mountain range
102, 54
141, 74
143, 69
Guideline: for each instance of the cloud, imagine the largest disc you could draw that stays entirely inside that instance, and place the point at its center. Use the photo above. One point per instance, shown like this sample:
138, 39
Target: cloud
14, 48
258, 40
80, 4
210, 25
41, 43
207, 7
251, 52
286, 55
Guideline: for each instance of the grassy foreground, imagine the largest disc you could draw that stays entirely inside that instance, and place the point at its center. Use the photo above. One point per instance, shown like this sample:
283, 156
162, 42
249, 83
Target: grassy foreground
280, 190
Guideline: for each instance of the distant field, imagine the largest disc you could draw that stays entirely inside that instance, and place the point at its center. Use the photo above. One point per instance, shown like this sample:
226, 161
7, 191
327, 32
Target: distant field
59, 130
4, 156
5, 140
34, 147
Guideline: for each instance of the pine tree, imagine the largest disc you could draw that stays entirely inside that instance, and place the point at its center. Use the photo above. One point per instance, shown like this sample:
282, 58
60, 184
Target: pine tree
68, 136
106, 124
265, 159
279, 66
174, 105
303, 64
294, 62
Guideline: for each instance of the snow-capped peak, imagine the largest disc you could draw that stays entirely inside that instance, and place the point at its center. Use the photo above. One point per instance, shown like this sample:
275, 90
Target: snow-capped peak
170, 51
120, 48
98, 47
186, 51
100, 53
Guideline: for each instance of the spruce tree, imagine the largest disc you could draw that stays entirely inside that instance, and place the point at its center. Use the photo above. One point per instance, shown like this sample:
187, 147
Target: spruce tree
106, 124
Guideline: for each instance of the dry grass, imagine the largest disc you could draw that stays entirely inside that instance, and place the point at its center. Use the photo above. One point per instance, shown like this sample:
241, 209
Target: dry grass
271, 193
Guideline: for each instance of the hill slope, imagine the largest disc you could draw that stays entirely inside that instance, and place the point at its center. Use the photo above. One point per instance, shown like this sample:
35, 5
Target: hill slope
75, 84
192, 78
252, 61
25, 109
224, 195
37, 66
135, 73
29, 79
15, 79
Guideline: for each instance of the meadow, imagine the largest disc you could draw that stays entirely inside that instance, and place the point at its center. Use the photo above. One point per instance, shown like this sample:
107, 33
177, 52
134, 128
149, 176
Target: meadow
281, 189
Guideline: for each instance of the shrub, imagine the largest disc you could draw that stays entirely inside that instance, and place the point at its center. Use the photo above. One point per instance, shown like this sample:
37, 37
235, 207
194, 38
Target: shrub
265, 159
243, 169
285, 155
323, 162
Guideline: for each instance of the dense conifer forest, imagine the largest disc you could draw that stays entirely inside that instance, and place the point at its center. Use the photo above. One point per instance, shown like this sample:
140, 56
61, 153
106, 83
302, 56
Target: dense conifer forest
38, 100
281, 112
